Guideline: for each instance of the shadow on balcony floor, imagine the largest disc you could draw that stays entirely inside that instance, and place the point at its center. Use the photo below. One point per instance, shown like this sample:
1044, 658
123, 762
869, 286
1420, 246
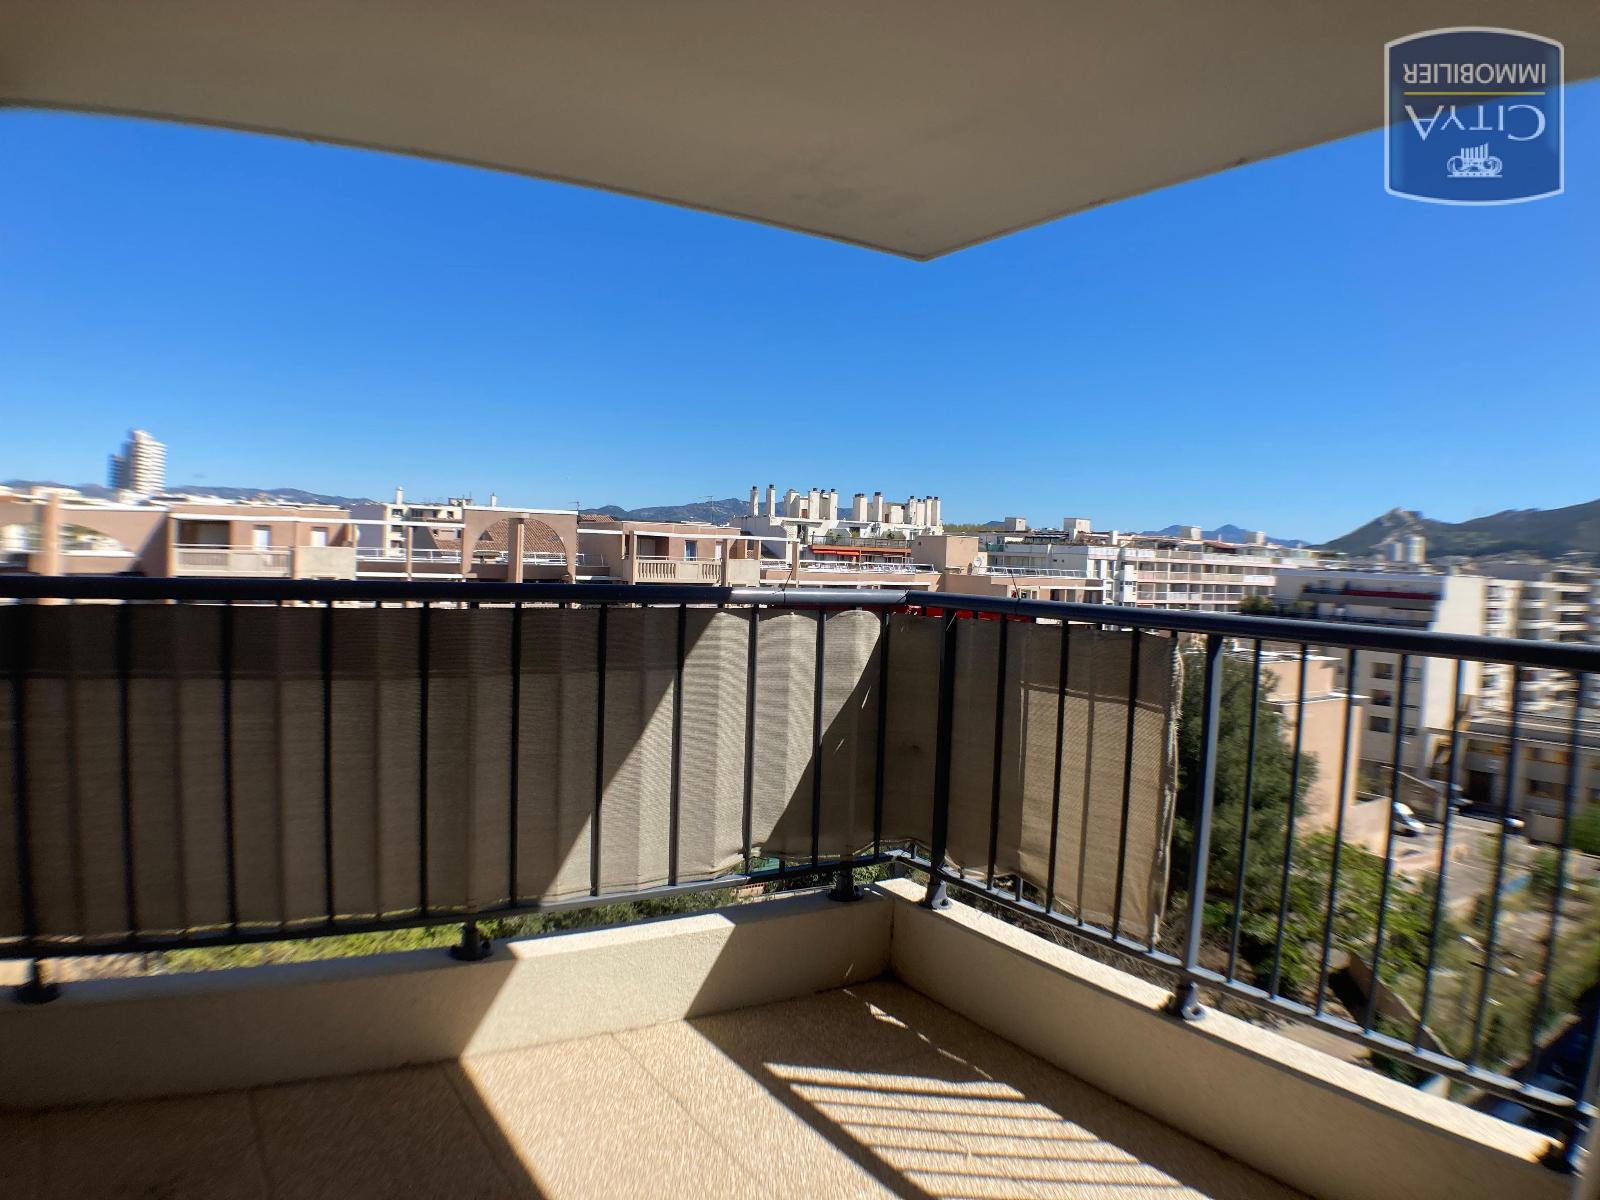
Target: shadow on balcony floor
870, 1091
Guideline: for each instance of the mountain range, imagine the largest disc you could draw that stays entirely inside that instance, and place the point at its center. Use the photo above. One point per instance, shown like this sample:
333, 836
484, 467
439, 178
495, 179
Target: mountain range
1543, 533
1225, 533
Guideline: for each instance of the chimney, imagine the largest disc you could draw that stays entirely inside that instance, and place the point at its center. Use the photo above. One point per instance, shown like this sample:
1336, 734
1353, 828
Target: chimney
494, 499
755, 500
772, 500
833, 504
875, 513
399, 494
858, 507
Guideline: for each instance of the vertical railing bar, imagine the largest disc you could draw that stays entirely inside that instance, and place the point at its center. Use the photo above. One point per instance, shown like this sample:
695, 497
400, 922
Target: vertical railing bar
936, 894
327, 760
674, 801
1186, 1001
999, 751
599, 755
1063, 665
1091, 703
1577, 1126
882, 731
424, 671
124, 653
1127, 779
1244, 815
1370, 1015
1506, 802
816, 736
1338, 830
514, 767
1442, 878
230, 852
750, 739
1569, 801
21, 662
1288, 830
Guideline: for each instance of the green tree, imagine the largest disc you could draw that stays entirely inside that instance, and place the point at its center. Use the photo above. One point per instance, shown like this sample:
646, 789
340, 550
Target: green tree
1269, 782
1259, 605
1586, 830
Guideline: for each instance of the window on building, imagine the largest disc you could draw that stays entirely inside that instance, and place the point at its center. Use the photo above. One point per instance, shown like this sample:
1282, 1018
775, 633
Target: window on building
261, 537
319, 536
1382, 699
1378, 724
1383, 670
691, 551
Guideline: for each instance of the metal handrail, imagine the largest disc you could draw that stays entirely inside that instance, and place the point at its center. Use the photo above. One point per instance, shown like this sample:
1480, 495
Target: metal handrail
1215, 630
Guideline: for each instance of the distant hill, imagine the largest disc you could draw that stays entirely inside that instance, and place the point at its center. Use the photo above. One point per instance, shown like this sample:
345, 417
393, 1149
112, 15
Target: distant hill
1225, 533
717, 512
1543, 533
286, 495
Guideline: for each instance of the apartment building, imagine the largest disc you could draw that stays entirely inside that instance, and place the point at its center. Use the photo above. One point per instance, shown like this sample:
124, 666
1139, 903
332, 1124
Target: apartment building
383, 524
1185, 571
816, 516
63, 533
1330, 721
141, 468
1548, 742
1420, 706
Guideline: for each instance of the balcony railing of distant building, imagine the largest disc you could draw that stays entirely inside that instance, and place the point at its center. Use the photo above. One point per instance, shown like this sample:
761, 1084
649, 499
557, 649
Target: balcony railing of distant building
829, 566
1031, 572
256, 561
269, 759
676, 570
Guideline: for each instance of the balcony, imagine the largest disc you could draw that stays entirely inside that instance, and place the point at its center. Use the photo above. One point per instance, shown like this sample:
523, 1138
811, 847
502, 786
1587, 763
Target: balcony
233, 562
260, 562
217, 764
673, 570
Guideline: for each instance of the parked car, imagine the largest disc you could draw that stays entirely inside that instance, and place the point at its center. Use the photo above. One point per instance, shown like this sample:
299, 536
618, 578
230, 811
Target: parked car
1404, 821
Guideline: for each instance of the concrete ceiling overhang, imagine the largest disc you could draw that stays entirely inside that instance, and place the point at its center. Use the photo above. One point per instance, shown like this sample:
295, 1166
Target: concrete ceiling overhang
912, 126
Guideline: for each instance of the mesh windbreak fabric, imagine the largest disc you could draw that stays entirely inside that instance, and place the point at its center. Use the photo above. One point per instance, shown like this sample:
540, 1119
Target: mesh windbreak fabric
1003, 783
402, 749
815, 761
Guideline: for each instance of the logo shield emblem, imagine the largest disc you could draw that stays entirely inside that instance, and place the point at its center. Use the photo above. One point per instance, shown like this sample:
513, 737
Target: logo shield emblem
1474, 116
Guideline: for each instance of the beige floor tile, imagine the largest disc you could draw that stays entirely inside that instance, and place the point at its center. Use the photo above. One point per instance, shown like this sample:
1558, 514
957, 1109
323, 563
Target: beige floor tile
201, 1147
588, 1120
773, 1139
387, 1134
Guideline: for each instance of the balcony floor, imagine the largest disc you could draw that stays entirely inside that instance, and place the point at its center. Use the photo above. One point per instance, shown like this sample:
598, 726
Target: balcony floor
869, 1091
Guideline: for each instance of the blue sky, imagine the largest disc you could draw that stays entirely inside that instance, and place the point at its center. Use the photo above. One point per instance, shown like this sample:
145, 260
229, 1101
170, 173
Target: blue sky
1283, 345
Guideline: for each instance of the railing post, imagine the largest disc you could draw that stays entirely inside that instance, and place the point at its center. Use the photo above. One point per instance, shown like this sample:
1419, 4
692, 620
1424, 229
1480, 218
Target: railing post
473, 946
34, 990
1186, 1000
844, 886
938, 895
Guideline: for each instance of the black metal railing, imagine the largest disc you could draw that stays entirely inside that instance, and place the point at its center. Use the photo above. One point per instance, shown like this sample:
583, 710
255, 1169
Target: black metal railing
1302, 915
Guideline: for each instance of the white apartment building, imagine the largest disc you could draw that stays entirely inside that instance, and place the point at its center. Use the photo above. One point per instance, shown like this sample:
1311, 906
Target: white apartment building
1144, 570
816, 516
389, 534
1407, 600
141, 468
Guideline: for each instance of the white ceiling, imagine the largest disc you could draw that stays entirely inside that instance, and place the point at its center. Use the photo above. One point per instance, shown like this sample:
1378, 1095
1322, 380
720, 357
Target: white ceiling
912, 126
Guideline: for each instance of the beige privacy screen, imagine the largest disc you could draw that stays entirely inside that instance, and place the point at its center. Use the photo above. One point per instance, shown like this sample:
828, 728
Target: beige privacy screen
190, 767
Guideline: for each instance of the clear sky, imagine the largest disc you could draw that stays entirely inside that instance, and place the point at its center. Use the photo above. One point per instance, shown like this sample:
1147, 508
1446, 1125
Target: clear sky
1282, 346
